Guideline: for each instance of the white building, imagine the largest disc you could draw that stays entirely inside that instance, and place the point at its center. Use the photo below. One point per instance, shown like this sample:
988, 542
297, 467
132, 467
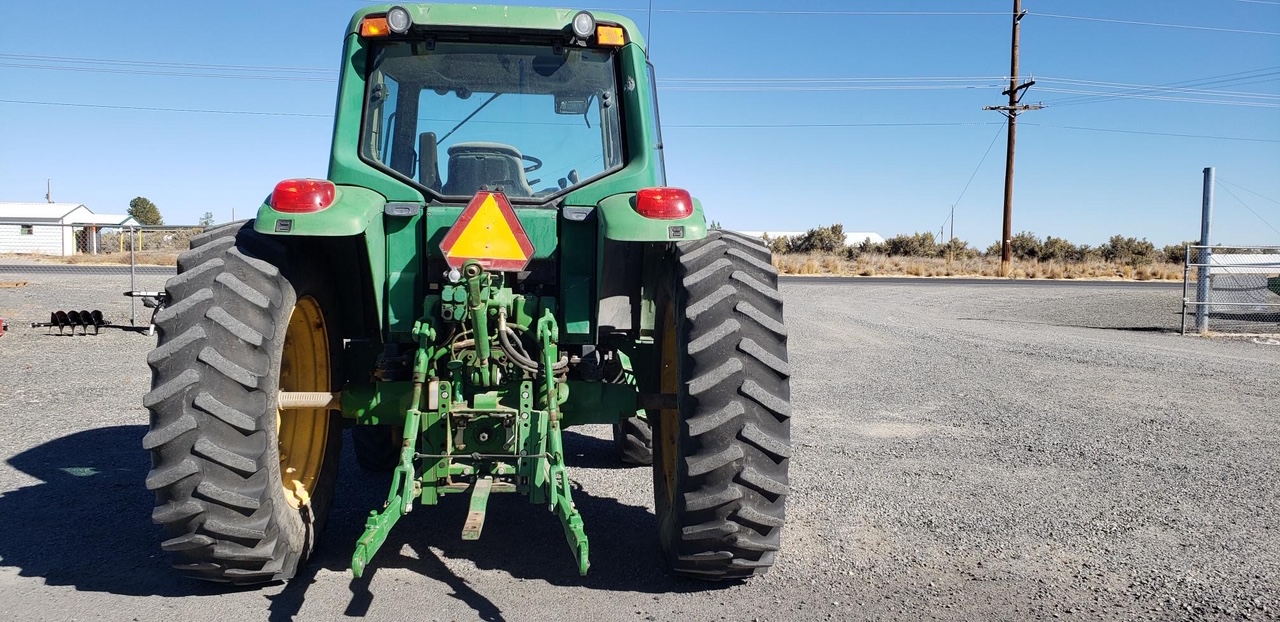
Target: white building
850, 237
54, 228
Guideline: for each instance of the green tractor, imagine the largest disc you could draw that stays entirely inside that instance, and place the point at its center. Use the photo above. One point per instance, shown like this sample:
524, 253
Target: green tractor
493, 257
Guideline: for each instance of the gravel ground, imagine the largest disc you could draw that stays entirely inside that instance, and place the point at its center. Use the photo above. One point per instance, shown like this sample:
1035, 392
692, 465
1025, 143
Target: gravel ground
966, 451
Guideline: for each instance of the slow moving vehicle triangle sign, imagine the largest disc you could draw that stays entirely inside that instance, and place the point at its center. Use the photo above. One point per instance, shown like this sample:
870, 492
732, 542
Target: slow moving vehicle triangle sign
489, 233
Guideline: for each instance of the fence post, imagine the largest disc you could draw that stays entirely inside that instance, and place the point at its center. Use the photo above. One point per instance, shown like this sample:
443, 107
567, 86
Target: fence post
1203, 287
133, 313
1186, 276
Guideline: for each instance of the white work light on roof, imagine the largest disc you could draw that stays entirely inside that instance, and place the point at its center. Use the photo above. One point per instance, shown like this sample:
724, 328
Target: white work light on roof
398, 20
584, 25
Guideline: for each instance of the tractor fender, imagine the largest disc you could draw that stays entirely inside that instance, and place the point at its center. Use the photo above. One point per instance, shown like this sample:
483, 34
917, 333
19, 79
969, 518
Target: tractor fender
620, 221
353, 209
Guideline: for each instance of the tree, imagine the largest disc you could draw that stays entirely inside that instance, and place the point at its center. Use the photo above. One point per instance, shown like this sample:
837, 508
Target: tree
715, 225
206, 219
145, 212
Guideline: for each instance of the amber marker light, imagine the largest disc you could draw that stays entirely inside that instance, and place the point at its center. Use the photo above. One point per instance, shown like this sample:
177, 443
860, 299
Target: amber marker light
610, 35
374, 27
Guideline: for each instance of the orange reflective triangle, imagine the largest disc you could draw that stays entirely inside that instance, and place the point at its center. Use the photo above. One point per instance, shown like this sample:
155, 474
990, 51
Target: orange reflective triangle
489, 233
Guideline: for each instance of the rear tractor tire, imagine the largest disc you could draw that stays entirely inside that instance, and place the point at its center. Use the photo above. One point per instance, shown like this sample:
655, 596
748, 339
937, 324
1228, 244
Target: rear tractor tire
242, 488
721, 456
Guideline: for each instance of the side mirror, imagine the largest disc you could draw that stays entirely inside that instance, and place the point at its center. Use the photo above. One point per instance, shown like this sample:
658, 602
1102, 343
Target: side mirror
428, 161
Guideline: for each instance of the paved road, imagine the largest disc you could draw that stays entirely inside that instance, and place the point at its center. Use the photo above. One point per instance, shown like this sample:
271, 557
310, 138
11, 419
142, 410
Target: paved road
964, 453
82, 269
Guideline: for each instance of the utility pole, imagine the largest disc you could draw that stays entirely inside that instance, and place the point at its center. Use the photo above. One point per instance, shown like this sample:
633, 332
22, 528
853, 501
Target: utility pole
1011, 112
951, 249
48, 190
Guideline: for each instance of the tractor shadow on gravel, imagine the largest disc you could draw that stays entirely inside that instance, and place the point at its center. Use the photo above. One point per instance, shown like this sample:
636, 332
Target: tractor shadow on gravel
523, 540
87, 524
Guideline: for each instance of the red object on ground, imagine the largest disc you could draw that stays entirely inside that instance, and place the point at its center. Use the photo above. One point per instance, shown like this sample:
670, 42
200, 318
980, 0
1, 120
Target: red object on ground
3, 326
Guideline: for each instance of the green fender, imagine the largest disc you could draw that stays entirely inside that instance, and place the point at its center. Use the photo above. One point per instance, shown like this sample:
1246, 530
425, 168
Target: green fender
353, 209
620, 221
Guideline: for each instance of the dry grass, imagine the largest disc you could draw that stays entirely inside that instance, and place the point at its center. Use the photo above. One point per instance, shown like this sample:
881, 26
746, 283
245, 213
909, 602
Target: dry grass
881, 265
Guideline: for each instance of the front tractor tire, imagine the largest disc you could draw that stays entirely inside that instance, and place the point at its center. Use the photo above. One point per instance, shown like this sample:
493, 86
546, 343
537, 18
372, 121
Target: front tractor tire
633, 441
242, 488
721, 455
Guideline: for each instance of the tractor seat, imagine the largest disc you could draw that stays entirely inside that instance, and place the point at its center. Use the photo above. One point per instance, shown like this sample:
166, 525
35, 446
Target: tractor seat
472, 165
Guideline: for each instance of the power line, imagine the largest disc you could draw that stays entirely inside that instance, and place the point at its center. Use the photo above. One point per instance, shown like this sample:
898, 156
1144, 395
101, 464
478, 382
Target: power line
743, 126
1239, 187
184, 74
795, 88
800, 12
1239, 78
1160, 88
1176, 135
951, 216
838, 80
964, 13
157, 109
1162, 25
152, 63
979, 166
1246, 206
749, 126
1189, 100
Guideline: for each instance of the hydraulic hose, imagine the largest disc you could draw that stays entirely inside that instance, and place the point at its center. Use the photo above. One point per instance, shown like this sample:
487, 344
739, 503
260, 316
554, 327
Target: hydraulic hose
516, 352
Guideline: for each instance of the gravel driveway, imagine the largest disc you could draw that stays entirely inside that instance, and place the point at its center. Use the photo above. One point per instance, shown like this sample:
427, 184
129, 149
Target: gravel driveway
963, 452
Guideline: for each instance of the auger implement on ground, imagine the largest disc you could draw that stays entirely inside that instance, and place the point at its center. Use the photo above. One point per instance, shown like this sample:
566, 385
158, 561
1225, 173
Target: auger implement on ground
494, 257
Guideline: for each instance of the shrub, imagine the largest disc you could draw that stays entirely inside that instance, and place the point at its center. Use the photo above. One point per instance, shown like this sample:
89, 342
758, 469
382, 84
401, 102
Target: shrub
828, 239
1128, 251
1176, 253
957, 249
916, 245
1025, 245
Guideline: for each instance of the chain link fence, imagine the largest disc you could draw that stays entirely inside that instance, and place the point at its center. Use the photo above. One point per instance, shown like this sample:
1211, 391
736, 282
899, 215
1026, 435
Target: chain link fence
1231, 290
115, 270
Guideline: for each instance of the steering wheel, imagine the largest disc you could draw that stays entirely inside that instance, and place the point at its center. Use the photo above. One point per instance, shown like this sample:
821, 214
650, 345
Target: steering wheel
535, 163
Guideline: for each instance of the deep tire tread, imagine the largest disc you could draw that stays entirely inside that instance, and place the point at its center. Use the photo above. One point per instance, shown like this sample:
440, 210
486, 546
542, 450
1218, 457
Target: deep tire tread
734, 441
218, 495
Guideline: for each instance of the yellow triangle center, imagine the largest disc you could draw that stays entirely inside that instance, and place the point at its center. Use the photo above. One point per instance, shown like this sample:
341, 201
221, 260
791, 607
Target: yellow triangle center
488, 236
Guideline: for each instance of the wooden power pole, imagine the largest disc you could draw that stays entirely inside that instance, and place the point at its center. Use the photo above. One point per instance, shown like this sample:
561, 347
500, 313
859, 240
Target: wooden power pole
1011, 112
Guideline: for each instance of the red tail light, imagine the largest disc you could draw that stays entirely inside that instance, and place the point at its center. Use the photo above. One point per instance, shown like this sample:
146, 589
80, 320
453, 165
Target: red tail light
664, 203
299, 196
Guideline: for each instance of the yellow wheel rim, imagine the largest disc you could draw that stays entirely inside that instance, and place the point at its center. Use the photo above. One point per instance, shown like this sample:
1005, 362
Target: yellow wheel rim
669, 424
304, 433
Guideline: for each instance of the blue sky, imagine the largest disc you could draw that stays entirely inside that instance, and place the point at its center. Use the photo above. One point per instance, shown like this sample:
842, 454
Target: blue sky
832, 149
